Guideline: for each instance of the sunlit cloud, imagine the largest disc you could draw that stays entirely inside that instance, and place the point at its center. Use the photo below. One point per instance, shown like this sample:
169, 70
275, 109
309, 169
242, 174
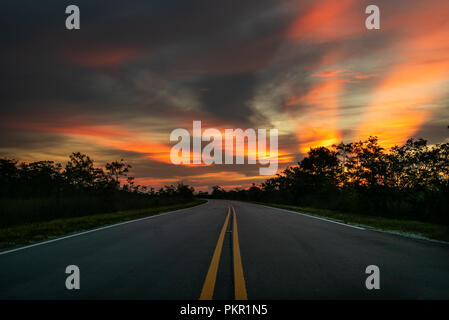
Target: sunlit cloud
405, 97
327, 73
317, 126
326, 20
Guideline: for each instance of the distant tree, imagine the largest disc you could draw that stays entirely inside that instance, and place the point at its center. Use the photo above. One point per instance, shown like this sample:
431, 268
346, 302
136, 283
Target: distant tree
184, 190
363, 162
217, 192
42, 177
418, 165
322, 167
9, 177
42, 190
80, 170
117, 169
203, 194
131, 186
254, 192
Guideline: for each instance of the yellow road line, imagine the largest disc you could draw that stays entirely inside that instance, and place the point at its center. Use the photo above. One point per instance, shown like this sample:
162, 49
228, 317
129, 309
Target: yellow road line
209, 284
239, 279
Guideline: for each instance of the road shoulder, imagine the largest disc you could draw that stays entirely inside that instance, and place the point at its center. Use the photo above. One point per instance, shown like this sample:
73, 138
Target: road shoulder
407, 228
14, 238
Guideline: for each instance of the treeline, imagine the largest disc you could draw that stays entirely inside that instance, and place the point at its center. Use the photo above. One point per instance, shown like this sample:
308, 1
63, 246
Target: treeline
409, 181
45, 190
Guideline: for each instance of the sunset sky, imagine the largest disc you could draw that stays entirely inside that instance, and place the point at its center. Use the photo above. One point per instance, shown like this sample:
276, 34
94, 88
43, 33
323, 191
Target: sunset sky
139, 69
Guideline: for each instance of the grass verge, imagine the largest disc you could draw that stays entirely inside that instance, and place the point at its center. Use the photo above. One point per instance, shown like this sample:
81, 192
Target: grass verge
30, 233
409, 227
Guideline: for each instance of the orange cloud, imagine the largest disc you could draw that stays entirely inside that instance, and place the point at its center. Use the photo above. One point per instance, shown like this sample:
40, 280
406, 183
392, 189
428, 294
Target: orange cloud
405, 92
315, 136
317, 126
230, 179
328, 73
117, 137
365, 76
327, 20
226, 179
100, 131
126, 139
404, 99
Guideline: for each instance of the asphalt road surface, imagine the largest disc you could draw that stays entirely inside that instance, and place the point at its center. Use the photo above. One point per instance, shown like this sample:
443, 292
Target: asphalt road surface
214, 252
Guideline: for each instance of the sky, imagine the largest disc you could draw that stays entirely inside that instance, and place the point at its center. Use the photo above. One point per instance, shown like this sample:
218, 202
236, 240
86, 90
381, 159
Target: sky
135, 71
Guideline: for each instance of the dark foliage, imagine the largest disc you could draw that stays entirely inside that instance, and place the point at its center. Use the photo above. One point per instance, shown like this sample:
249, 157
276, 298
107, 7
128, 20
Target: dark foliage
411, 181
44, 190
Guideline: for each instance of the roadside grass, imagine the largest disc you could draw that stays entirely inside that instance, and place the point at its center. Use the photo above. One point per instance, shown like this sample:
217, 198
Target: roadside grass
409, 227
34, 232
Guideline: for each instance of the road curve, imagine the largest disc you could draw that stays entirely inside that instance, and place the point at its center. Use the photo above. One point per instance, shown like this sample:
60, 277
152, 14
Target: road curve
284, 255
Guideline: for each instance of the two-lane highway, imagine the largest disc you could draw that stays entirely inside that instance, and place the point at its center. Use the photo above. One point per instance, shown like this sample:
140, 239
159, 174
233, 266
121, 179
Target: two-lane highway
282, 255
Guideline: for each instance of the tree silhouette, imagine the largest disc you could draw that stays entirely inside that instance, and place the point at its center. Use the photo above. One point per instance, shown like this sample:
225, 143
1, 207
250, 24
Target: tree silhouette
43, 190
406, 181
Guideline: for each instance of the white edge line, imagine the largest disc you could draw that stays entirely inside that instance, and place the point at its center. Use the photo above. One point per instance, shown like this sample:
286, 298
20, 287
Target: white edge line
93, 230
315, 217
366, 228
413, 236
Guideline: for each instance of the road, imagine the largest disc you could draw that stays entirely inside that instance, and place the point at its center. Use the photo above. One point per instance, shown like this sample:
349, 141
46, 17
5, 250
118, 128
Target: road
227, 250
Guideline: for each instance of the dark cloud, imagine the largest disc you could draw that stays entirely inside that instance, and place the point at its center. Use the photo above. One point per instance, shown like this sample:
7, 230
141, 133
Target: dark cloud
12, 139
44, 64
227, 96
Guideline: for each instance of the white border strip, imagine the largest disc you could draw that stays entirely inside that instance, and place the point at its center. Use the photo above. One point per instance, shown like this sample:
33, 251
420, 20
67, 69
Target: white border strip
93, 230
412, 236
369, 228
312, 216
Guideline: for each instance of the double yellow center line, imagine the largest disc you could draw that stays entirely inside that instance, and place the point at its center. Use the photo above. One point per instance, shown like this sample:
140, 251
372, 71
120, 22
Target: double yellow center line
239, 280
